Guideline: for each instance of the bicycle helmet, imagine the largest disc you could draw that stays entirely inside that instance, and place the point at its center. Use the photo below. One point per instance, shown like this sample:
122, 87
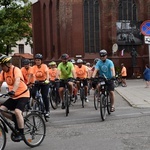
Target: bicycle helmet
73, 61
96, 60
79, 61
103, 52
65, 57
26, 61
88, 64
5, 59
38, 56
52, 63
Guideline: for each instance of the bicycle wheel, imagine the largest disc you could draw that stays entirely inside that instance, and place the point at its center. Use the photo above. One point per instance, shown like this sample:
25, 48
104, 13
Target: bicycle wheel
116, 83
52, 99
96, 100
2, 138
103, 103
66, 103
34, 129
82, 96
108, 104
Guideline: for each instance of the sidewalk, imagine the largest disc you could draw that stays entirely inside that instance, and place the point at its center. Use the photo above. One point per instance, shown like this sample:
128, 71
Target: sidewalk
135, 93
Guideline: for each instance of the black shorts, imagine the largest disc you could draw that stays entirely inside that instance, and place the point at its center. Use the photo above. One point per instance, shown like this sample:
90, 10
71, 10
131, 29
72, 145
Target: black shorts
85, 83
110, 85
124, 77
12, 104
62, 82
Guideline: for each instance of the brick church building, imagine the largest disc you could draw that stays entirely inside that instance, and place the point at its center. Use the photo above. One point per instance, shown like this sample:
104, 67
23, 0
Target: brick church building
83, 27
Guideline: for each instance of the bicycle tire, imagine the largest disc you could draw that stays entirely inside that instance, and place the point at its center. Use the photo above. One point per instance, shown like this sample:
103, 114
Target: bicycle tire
108, 104
82, 96
96, 100
66, 103
116, 83
34, 129
103, 103
52, 100
2, 138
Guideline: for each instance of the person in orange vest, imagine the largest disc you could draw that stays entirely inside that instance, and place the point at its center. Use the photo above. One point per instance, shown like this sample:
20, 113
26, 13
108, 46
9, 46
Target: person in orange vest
82, 73
41, 74
18, 92
123, 75
27, 72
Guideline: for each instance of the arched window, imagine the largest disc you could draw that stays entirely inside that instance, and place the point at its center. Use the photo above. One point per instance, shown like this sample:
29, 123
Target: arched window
91, 26
127, 10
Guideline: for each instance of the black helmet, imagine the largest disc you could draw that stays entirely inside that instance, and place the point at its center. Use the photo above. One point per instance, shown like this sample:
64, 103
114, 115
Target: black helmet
65, 57
5, 59
26, 61
103, 52
96, 60
38, 56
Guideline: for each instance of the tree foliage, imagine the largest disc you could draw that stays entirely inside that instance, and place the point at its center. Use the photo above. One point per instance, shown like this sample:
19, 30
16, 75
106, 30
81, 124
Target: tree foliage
15, 23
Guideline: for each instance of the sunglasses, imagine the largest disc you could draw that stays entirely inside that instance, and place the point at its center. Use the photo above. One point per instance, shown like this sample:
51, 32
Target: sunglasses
102, 55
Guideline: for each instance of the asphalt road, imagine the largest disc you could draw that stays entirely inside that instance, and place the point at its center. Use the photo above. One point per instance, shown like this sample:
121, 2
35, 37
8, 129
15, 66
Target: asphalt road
125, 129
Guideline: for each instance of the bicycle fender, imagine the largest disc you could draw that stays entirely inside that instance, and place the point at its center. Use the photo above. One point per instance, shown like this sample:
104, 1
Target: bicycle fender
4, 125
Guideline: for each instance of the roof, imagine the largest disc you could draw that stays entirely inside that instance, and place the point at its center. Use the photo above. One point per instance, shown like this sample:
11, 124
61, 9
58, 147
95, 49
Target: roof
24, 55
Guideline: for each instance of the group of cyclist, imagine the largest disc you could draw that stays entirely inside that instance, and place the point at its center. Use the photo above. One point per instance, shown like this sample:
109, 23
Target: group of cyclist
18, 81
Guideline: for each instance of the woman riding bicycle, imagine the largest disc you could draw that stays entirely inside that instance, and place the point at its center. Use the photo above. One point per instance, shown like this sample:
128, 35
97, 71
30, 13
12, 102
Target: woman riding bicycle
41, 73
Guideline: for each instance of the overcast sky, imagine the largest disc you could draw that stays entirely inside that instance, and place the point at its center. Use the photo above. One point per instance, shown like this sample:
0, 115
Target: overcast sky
33, 1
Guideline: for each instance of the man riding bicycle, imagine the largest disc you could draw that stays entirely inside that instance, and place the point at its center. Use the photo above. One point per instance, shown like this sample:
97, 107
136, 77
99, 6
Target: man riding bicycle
65, 71
18, 92
82, 73
106, 67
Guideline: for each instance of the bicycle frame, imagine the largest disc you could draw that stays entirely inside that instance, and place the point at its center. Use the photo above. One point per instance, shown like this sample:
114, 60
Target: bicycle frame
82, 91
67, 96
5, 122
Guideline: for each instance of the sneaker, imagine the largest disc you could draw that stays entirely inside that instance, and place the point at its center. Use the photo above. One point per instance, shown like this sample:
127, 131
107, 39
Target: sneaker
86, 100
17, 138
47, 115
63, 106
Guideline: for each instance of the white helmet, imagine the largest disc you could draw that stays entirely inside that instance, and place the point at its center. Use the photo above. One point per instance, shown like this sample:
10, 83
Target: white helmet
79, 61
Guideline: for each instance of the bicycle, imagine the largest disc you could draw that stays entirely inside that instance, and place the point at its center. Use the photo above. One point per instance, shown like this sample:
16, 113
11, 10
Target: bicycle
118, 81
34, 129
38, 104
82, 91
104, 98
67, 96
53, 95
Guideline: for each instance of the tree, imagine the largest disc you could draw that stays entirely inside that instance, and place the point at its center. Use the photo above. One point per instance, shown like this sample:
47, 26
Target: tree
15, 23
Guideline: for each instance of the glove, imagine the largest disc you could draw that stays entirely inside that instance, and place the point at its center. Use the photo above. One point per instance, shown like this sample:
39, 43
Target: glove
46, 81
11, 93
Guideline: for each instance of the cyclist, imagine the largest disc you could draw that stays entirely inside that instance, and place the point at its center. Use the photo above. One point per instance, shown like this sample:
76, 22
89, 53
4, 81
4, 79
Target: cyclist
75, 90
106, 67
41, 74
65, 71
52, 71
52, 76
82, 73
18, 92
27, 72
